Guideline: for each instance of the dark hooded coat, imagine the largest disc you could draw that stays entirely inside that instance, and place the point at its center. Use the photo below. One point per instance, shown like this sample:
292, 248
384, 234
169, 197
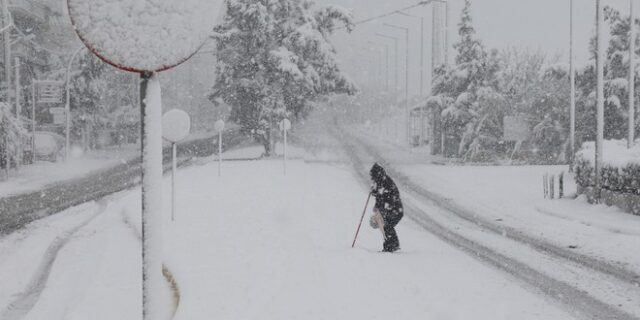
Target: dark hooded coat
387, 195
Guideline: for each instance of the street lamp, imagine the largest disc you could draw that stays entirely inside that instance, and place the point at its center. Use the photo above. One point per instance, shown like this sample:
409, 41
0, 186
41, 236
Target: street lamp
406, 75
67, 107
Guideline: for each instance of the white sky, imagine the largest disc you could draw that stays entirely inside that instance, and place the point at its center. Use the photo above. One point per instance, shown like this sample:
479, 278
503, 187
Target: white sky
532, 24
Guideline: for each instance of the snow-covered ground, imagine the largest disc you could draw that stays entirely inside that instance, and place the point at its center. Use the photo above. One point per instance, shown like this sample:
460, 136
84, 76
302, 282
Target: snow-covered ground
255, 243
513, 196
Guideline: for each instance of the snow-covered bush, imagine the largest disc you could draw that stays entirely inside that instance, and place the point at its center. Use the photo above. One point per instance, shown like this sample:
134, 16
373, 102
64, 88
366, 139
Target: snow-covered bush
620, 167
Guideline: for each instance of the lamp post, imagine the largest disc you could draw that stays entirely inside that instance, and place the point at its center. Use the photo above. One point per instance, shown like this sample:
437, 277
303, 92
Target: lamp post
67, 107
406, 77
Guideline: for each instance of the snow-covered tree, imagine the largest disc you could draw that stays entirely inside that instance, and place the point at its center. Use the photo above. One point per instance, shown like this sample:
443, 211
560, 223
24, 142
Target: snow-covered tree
616, 82
472, 122
275, 60
101, 99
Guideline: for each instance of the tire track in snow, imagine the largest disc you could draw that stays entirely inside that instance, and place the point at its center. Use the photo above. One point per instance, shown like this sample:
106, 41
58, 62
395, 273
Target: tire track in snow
576, 300
25, 301
168, 275
619, 272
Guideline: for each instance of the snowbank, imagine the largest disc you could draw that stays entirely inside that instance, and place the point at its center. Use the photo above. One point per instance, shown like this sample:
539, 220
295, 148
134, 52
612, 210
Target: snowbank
614, 153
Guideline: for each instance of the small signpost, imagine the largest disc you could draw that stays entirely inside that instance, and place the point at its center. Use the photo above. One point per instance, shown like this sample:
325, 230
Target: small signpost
176, 125
219, 127
285, 125
146, 37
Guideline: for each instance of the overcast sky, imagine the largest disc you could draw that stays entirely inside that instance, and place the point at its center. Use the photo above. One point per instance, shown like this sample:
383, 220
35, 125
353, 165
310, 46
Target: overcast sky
532, 24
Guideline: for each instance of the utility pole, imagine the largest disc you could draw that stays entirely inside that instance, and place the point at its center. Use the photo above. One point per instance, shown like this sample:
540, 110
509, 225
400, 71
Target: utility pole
632, 75
572, 79
599, 97
6, 22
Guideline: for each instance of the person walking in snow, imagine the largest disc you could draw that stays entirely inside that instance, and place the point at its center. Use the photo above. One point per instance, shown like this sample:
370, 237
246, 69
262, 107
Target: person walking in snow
388, 206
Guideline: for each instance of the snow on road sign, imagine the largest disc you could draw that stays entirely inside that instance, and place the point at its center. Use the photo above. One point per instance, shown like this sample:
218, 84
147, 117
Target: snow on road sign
143, 35
176, 125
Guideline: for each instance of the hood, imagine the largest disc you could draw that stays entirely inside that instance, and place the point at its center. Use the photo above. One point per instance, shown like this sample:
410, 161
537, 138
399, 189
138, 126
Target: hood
377, 172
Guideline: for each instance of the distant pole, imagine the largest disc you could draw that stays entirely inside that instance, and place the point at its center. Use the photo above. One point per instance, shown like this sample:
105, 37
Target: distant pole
406, 82
421, 56
17, 87
33, 120
219, 127
285, 125
395, 43
7, 48
285, 151
67, 106
572, 79
600, 97
406, 90
632, 74
18, 110
446, 33
220, 154
173, 179
386, 50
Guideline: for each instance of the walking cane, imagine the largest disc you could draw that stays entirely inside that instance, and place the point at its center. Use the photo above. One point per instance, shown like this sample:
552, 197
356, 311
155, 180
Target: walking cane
361, 218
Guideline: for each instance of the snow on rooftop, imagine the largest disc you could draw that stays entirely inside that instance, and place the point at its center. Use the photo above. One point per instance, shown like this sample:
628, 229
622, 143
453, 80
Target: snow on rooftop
144, 35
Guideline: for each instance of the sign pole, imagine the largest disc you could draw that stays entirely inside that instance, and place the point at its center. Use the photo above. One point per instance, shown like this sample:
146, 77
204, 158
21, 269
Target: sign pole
285, 150
18, 112
33, 121
220, 154
151, 140
219, 127
176, 125
173, 180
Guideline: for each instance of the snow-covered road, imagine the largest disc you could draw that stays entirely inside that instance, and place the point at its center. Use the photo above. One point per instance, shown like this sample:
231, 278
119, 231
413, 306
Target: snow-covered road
591, 285
255, 243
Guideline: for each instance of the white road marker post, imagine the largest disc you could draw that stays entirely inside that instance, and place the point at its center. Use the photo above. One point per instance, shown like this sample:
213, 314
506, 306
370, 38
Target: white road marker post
176, 125
219, 127
285, 125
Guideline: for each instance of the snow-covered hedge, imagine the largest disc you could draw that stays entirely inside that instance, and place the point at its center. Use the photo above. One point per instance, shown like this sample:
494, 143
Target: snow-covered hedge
620, 167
